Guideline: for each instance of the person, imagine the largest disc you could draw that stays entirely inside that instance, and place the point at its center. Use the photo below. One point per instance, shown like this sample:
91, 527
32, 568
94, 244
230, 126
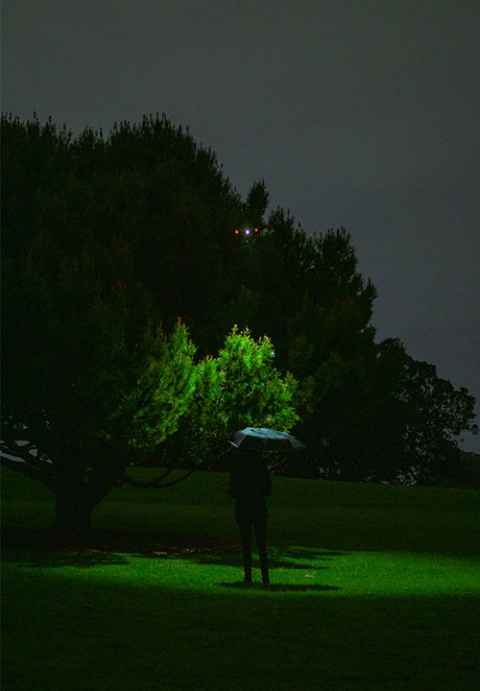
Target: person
250, 484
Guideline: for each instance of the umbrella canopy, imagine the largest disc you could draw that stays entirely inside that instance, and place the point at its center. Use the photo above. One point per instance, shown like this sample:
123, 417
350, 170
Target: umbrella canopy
265, 439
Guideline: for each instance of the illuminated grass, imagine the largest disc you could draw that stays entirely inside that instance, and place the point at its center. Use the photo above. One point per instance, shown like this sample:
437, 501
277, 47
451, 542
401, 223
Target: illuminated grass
373, 588
349, 574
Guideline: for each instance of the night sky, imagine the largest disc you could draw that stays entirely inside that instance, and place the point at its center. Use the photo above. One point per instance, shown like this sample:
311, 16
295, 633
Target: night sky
362, 113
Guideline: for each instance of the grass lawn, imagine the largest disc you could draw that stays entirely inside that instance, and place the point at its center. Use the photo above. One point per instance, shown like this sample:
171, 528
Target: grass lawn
372, 588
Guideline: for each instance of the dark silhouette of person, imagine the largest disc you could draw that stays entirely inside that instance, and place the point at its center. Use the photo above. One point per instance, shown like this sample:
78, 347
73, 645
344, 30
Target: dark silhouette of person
250, 484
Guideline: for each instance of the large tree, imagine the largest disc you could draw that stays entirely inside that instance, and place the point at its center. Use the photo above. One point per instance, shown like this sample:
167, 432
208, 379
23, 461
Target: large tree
89, 376
368, 409
158, 215
90, 379
436, 413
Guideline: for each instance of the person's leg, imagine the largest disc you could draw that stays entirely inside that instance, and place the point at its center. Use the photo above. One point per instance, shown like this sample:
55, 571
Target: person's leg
245, 526
246, 535
260, 525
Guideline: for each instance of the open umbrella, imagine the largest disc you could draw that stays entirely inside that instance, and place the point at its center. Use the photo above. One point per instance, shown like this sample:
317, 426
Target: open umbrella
265, 439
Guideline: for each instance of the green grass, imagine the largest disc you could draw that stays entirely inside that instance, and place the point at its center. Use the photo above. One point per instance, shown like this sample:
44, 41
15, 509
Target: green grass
372, 588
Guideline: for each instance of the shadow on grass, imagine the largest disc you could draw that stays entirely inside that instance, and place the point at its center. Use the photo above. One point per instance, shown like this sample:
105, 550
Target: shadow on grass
278, 559
84, 559
41, 548
279, 587
312, 553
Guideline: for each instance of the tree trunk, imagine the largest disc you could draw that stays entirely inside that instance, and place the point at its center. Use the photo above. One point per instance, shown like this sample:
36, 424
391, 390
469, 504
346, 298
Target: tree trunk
73, 515
76, 499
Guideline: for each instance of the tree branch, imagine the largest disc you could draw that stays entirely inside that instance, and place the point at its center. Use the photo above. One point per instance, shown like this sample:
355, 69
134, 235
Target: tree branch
21, 451
133, 482
155, 482
43, 474
174, 482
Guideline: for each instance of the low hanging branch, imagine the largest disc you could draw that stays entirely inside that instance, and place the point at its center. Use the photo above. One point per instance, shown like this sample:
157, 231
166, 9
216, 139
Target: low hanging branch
21, 461
25, 457
44, 471
23, 451
155, 483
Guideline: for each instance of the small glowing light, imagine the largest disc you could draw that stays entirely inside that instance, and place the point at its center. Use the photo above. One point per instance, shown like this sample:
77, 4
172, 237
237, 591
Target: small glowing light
247, 231
236, 231
256, 230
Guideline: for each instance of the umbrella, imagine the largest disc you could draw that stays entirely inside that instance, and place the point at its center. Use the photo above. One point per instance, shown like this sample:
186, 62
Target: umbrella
265, 439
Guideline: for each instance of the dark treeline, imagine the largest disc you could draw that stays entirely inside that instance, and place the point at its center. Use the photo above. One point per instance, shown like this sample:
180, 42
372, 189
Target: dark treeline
113, 236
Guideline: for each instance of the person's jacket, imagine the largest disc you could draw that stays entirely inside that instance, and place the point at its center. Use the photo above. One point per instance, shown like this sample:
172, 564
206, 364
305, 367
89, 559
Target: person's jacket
249, 476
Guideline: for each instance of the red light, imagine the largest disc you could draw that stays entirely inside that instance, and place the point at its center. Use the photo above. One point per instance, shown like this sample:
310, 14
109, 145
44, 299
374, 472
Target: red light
236, 231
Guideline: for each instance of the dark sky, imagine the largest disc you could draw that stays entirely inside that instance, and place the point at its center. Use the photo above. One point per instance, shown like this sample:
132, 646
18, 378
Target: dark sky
362, 113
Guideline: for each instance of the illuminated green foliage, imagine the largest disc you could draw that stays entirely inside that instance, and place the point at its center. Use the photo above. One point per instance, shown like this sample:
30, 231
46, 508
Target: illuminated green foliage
254, 392
240, 387
163, 391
